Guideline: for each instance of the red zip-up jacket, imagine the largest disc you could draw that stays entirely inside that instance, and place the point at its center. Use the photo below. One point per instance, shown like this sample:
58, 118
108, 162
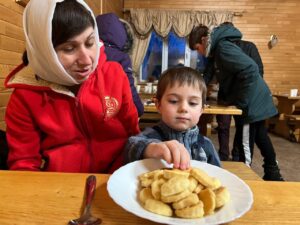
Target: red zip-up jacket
49, 129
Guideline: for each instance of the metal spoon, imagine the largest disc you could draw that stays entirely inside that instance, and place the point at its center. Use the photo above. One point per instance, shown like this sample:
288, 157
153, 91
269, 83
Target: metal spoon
86, 218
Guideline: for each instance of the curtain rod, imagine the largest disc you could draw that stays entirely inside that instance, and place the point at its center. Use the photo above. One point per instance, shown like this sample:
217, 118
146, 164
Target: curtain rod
236, 13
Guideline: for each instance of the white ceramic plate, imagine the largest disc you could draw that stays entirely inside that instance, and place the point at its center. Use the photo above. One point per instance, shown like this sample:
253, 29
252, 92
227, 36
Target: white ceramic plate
123, 188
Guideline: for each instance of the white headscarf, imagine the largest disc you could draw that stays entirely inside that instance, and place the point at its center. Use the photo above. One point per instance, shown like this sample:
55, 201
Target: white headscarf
37, 23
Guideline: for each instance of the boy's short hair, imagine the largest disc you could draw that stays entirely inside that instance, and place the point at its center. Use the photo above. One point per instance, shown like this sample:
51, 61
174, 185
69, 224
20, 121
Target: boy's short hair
181, 75
197, 34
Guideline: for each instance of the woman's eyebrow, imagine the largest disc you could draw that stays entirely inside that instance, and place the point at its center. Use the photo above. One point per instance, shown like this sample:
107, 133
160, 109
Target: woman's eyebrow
91, 35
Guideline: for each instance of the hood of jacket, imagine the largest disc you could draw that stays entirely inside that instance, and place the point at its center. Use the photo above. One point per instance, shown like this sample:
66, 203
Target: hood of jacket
24, 77
220, 33
37, 23
111, 30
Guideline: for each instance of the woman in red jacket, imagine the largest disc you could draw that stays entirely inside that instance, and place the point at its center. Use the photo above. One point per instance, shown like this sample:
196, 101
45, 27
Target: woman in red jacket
74, 112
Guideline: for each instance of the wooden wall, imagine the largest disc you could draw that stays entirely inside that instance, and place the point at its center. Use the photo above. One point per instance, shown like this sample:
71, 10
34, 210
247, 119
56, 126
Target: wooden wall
261, 19
12, 42
11, 46
115, 6
106, 6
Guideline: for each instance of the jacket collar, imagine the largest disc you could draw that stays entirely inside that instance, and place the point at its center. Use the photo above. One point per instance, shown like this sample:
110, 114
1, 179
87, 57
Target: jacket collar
23, 76
182, 136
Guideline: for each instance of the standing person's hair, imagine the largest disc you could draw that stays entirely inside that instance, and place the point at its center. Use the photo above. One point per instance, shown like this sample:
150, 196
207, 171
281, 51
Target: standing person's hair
196, 35
227, 23
181, 76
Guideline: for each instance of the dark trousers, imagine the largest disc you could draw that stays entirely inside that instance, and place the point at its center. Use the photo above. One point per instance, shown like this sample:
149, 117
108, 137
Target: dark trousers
254, 133
3, 151
223, 135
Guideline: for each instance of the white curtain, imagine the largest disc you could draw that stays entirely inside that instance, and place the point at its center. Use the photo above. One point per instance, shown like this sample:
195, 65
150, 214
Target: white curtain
162, 21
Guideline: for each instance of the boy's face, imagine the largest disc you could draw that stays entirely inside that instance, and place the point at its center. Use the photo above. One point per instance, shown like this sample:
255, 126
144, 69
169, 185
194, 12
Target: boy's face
201, 47
180, 106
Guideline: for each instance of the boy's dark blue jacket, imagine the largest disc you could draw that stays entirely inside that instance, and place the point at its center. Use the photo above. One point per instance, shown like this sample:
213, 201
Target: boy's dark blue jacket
199, 147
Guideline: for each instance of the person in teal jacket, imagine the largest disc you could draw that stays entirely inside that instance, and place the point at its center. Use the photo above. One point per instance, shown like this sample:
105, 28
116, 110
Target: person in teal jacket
240, 84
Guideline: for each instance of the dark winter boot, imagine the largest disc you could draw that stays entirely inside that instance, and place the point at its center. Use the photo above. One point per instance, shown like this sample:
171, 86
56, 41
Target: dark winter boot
272, 173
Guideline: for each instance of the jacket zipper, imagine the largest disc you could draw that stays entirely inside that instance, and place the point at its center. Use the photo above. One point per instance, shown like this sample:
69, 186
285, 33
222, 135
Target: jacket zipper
84, 128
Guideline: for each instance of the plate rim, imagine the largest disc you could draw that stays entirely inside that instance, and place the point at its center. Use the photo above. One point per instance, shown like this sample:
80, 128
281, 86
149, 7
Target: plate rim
174, 220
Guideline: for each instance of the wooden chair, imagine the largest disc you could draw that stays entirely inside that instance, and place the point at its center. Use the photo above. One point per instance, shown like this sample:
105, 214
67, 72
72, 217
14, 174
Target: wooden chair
293, 122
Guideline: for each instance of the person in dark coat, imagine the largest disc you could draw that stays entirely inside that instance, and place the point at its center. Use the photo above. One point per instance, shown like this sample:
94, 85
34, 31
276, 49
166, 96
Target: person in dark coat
118, 42
224, 121
240, 84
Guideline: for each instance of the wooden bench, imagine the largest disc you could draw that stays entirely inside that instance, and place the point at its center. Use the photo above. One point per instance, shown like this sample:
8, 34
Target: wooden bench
293, 122
297, 108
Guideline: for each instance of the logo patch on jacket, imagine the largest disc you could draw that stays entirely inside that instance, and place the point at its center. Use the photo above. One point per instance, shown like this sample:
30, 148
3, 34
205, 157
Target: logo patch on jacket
112, 106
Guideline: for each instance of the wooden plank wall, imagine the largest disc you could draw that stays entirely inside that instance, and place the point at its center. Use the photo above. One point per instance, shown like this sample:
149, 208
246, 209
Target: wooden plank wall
12, 42
115, 6
261, 19
95, 5
11, 46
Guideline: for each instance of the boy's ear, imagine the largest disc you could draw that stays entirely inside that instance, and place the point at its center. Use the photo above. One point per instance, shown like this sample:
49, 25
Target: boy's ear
157, 104
202, 108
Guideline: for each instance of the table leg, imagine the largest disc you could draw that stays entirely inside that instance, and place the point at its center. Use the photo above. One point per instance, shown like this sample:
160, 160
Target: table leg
205, 124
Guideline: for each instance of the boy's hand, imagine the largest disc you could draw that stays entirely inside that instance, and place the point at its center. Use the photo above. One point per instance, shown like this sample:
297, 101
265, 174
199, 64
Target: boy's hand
171, 151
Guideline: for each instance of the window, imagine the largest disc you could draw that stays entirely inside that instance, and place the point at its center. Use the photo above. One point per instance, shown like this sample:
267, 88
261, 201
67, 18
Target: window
169, 52
152, 64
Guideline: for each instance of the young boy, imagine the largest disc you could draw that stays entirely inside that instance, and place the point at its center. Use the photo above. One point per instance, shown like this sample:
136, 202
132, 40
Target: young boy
181, 93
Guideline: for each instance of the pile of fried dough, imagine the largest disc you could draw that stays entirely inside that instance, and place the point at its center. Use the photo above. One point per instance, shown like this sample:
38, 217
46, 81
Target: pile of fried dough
183, 193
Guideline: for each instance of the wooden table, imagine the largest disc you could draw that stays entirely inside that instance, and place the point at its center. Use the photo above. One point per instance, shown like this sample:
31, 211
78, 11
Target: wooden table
208, 109
151, 116
241, 170
43, 198
286, 104
286, 124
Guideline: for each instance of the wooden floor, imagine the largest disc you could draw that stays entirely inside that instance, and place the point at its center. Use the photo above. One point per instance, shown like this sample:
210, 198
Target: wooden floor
288, 156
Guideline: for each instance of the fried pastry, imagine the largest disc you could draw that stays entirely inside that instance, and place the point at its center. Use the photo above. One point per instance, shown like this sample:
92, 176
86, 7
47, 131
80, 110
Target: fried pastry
198, 188
187, 194
146, 182
176, 197
152, 174
195, 211
205, 179
208, 197
193, 184
156, 188
145, 194
158, 207
188, 201
169, 173
174, 186
222, 196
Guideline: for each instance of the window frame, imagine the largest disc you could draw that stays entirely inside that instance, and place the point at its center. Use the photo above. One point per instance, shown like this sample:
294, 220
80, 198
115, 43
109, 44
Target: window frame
165, 53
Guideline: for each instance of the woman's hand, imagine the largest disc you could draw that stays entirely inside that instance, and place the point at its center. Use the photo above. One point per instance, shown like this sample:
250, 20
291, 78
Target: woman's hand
171, 151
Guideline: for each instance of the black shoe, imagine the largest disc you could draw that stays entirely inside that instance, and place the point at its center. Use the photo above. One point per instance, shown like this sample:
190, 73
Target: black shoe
272, 173
273, 177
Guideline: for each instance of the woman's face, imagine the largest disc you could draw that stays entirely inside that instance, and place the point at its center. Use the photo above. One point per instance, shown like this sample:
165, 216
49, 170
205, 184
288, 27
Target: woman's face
78, 54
